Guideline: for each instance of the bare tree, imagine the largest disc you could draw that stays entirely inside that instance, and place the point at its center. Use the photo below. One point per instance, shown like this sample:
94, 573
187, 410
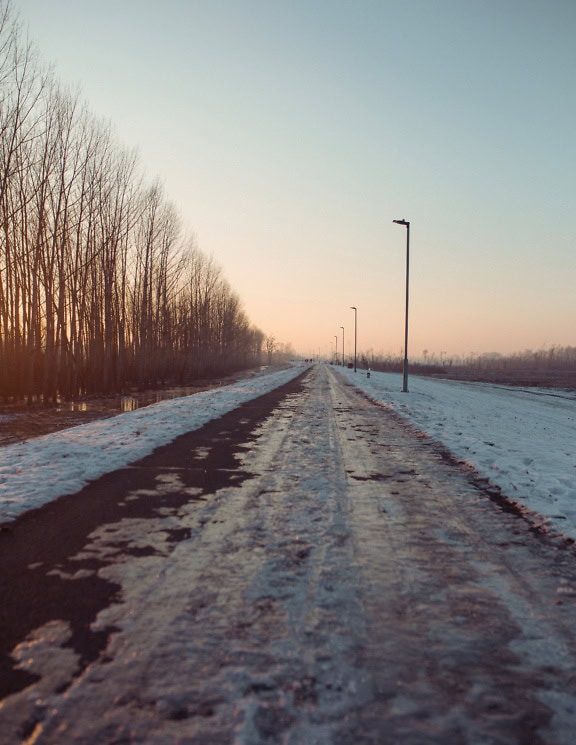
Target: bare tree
270, 343
99, 289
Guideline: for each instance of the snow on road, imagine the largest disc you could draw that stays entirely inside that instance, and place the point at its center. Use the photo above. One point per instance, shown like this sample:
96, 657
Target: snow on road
521, 439
47, 467
350, 586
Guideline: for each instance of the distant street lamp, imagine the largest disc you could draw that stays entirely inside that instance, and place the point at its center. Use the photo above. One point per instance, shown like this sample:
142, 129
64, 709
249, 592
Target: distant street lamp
342, 327
336, 338
406, 224
355, 309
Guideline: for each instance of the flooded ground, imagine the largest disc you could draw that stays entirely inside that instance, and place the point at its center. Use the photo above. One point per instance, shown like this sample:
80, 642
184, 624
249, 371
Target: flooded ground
20, 422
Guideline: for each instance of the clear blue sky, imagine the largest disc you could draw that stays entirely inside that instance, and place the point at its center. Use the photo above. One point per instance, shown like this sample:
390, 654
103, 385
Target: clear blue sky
291, 133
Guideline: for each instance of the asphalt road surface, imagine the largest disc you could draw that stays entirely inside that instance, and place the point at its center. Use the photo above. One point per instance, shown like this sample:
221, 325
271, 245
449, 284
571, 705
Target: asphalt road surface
307, 569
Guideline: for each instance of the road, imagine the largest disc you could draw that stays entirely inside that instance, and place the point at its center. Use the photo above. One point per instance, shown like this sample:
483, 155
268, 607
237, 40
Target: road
307, 569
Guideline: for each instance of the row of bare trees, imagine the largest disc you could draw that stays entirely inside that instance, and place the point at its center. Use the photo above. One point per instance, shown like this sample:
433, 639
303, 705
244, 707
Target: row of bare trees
551, 358
100, 289
553, 366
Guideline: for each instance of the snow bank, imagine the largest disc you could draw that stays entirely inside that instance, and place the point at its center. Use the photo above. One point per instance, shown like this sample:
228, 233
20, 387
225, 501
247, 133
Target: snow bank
522, 439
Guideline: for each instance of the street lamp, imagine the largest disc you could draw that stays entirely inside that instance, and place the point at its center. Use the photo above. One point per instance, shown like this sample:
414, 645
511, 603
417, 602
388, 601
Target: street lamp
342, 327
406, 224
336, 338
355, 309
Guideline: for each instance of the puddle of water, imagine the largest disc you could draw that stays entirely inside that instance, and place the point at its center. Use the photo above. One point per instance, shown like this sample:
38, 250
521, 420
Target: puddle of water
129, 402
19, 422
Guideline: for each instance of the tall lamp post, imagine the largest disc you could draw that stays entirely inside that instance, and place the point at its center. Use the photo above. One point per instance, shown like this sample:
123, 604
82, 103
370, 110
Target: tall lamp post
342, 327
355, 309
336, 338
406, 224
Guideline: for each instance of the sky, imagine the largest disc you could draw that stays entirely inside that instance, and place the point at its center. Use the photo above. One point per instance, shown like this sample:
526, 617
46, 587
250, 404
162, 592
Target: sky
290, 135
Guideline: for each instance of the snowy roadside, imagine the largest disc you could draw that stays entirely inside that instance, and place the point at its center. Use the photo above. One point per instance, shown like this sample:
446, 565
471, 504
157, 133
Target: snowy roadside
40, 470
522, 439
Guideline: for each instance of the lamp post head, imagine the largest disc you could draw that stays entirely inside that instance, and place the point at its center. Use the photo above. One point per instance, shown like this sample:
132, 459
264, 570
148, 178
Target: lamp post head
353, 307
402, 222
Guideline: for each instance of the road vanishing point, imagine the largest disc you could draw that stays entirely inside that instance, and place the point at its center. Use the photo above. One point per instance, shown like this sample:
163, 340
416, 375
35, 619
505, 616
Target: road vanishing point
307, 569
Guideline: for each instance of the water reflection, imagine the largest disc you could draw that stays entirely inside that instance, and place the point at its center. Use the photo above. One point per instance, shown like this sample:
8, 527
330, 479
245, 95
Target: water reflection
128, 402
21, 421
74, 406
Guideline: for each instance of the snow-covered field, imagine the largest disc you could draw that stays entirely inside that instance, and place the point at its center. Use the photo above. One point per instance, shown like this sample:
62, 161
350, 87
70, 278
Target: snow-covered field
523, 440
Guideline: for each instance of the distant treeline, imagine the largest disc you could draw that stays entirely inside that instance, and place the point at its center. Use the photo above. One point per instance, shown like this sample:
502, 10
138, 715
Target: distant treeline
100, 290
553, 366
